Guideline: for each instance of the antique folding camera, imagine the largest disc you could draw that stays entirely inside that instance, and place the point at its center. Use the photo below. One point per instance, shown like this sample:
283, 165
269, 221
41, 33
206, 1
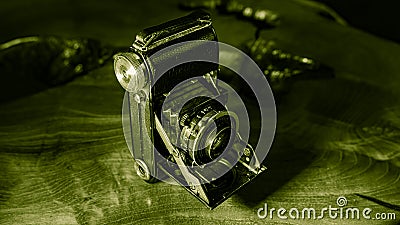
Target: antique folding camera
179, 125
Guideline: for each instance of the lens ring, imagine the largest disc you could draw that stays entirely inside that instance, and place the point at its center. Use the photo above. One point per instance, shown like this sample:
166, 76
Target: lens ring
201, 136
219, 143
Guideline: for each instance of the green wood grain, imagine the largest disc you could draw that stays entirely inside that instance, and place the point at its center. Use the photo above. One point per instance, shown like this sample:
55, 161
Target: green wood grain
63, 158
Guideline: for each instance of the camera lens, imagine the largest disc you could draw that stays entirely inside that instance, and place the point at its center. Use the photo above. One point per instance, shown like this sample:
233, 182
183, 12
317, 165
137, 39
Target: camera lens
219, 143
130, 71
207, 130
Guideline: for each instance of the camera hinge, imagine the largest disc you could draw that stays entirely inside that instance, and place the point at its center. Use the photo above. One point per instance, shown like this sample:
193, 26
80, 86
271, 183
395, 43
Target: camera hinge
191, 180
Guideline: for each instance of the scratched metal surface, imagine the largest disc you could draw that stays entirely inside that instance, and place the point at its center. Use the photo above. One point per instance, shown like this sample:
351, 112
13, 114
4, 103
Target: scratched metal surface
63, 159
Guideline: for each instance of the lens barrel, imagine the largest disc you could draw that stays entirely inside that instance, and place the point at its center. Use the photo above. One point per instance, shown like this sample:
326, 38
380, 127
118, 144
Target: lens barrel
207, 131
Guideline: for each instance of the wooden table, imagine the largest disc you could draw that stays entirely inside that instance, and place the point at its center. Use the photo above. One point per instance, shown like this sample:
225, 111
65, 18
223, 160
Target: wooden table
64, 160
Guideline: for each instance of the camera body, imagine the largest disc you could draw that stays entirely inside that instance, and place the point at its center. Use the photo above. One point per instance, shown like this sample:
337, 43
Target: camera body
177, 122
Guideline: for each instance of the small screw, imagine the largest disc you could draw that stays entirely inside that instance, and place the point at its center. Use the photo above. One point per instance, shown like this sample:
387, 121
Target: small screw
192, 186
246, 152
